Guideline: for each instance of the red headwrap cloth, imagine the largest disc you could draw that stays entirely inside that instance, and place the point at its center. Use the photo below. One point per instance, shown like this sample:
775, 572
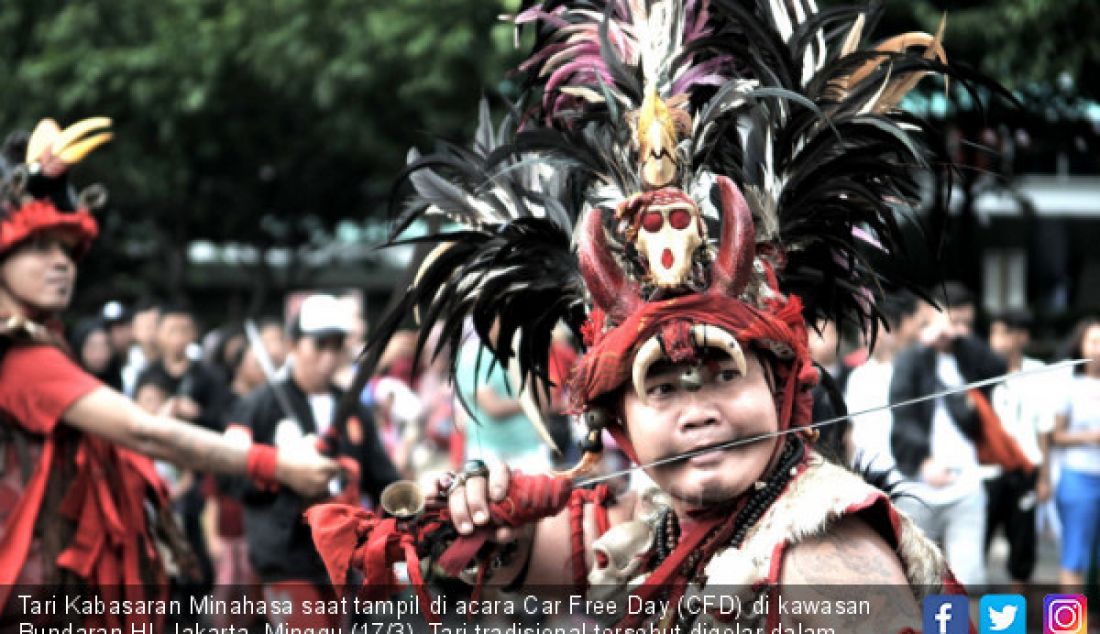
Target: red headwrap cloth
609, 360
40, 215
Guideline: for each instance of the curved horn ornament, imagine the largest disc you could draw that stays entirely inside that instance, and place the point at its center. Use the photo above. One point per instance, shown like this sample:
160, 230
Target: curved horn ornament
737, 247
529, 406
706, 335
610, 288
534, 415
648, 354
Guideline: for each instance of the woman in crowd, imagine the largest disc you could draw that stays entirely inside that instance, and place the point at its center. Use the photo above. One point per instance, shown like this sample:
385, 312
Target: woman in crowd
1077, 433
92, 346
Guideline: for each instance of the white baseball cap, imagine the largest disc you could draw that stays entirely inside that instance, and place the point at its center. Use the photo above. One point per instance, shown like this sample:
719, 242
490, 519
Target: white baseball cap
113, 312
323, 316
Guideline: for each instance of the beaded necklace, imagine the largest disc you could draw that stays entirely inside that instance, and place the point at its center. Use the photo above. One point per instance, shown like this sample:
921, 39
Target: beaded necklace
732, 534
764, 493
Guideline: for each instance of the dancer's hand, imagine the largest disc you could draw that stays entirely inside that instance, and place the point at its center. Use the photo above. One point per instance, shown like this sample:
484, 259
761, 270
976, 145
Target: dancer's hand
468, 498
936, 474
306, 471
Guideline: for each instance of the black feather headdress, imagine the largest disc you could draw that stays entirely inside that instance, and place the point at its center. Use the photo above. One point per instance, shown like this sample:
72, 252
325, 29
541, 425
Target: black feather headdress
772, 126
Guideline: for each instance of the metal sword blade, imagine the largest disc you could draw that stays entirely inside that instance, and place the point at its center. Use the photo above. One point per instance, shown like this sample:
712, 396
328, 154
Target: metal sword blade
831, 421
257, 344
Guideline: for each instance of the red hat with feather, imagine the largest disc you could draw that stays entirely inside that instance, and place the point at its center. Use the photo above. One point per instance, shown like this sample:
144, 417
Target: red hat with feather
35, 193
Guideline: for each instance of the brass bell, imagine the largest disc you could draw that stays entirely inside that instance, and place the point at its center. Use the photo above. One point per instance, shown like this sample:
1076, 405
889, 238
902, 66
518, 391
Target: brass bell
691, 379
402, 499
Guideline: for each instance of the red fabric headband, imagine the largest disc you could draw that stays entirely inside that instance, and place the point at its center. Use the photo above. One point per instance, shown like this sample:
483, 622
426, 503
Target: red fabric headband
779, 324
39, 215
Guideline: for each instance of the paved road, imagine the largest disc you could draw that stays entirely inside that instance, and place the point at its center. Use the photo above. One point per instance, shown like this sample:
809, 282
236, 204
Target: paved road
1046, 567
1044, 581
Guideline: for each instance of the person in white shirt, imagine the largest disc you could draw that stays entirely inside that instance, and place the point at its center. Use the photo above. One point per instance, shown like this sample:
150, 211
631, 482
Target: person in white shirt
868, 386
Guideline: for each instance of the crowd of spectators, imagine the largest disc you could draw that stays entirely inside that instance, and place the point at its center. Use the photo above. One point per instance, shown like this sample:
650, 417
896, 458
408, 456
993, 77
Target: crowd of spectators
1017, 457
1007, 457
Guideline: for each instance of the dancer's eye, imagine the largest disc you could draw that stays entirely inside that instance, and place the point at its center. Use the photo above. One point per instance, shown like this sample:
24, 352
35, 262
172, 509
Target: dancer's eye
728, 374
660, 389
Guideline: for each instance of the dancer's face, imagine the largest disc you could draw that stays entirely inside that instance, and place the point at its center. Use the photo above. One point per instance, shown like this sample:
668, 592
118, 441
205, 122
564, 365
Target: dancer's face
1090, 344
37, 277
316, 361
673, 420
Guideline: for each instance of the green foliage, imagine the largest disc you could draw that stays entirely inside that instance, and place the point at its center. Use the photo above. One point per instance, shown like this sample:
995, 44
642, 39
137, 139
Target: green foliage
254, 120
1024, 44
270, 121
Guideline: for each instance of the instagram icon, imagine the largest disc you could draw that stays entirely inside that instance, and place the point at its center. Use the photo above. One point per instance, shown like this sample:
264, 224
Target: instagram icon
1065, 614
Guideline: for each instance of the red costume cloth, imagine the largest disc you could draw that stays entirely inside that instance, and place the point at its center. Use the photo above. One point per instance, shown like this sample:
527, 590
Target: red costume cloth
609, 361
562, 360
997, 446
38, 383
41, 214
347, 536
230, 521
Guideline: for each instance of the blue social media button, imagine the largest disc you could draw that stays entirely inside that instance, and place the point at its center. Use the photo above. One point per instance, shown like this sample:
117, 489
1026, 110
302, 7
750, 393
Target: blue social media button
1003, 614
946, 614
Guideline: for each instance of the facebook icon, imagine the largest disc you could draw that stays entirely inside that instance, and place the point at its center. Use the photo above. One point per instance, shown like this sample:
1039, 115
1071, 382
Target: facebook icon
946, 614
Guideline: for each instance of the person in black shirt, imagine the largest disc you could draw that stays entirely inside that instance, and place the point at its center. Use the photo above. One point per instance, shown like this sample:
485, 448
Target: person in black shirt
936, 442
199, 391
197, 395
279, 542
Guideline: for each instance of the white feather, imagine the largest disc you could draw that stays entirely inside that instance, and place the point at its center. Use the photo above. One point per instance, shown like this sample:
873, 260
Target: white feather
781, 19
700, 192
813, 58
770, 181
870, 104
659, 32
820, 37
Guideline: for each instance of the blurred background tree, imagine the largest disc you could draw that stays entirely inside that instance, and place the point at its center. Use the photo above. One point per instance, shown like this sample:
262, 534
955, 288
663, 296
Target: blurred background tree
264, 122
1046, 53
269, 123
1022, 43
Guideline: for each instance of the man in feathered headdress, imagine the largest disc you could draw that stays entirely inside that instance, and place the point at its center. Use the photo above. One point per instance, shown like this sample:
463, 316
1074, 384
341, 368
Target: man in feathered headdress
698, 182
75, 476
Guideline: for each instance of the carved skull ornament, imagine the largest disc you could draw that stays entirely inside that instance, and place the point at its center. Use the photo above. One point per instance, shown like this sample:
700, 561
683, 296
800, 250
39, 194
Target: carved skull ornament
619, 554
670, 229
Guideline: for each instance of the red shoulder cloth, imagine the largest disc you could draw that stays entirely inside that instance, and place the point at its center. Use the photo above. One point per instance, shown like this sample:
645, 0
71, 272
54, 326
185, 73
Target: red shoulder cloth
38, 383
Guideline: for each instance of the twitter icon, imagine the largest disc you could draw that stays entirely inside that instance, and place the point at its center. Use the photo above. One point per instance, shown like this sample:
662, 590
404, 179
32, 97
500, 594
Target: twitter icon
1003, 614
